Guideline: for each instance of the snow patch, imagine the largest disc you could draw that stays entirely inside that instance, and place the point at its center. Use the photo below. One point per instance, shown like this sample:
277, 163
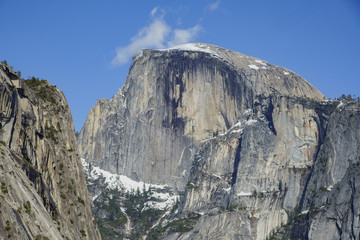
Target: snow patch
115, 181
250, 122
261, 62
95, 197
192, 47
286, 73
217, 176
253, 67
138, 55
340, 104
304, 212
196, 47
247, 111
240, 126
163, 200
240, 194
167, 201
238, 130
325, 102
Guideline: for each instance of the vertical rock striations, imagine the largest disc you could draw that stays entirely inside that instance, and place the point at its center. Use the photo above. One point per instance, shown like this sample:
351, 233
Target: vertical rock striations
43, 189
257, 171
331, 202
172, 101
258, 151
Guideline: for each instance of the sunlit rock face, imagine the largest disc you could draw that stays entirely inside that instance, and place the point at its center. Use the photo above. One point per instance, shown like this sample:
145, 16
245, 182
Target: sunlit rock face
258, 151
174, 100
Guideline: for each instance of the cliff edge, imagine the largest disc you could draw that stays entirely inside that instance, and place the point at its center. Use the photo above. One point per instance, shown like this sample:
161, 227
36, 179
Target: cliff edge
43, 188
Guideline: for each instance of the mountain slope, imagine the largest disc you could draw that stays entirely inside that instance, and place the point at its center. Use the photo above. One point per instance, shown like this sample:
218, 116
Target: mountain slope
43, 189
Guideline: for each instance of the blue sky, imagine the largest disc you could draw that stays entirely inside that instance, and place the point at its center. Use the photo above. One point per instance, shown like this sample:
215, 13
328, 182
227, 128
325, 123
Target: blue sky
85, 47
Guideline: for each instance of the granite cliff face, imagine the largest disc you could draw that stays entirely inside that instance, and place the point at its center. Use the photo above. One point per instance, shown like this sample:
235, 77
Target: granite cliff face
331, 202
175, 99
43, 188
271, 183
253, 149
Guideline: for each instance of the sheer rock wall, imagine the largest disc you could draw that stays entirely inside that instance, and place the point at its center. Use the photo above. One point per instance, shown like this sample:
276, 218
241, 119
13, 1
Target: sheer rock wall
43, 186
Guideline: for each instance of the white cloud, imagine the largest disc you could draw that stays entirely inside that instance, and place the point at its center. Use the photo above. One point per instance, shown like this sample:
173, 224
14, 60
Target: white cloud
158, 34
152, 36
215, 5
153, 12
182, 36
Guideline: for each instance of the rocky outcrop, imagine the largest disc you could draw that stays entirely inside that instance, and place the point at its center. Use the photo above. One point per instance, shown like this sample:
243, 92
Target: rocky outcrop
171, 102
258, 170
244, 187
43, 189
331, 202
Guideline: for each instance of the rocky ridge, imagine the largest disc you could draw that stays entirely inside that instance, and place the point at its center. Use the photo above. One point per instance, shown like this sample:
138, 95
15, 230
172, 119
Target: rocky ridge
43, 188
